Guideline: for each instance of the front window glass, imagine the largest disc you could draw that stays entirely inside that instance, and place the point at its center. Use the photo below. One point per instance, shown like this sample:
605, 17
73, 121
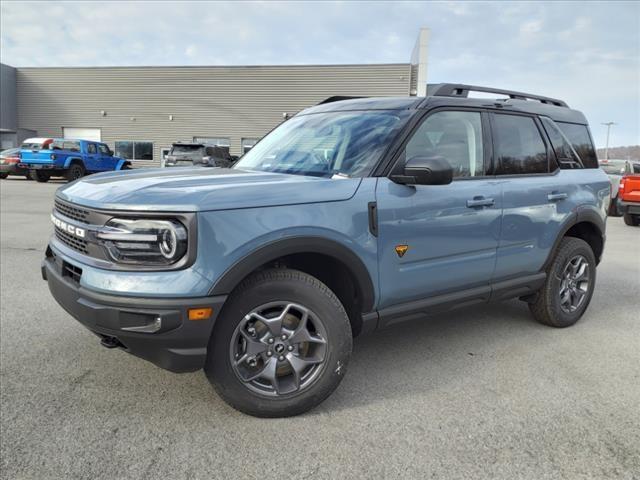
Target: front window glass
326, 144
454, 136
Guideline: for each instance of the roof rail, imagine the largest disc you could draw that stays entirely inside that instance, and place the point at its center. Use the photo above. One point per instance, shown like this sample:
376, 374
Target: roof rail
336, 98
460, 90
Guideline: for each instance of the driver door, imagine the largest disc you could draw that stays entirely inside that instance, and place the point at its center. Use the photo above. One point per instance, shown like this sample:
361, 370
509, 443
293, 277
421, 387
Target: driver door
437, 239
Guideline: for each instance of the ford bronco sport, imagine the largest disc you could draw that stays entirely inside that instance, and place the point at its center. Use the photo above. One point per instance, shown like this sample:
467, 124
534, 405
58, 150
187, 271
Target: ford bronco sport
352, 215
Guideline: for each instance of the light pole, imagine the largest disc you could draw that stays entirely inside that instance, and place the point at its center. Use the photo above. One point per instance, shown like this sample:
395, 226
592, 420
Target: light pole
606, 148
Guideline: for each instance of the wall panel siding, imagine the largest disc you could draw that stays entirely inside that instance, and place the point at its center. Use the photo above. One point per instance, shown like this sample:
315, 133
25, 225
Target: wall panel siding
234, 102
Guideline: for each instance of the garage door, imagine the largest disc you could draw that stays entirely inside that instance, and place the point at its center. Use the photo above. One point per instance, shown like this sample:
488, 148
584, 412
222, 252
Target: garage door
82, 133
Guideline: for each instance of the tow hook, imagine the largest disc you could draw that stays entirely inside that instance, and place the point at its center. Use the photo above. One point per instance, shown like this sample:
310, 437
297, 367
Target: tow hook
110, 342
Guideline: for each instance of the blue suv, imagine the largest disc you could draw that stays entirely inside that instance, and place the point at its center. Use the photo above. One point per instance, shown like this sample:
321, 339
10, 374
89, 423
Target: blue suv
351, 216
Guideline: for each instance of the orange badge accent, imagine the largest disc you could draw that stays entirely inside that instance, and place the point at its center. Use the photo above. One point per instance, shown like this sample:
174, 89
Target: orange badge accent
401, 250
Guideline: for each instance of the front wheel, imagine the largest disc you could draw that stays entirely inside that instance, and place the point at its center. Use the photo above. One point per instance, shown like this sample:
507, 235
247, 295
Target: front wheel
3, 175
39, 176
281, 345
567, 291
631, 220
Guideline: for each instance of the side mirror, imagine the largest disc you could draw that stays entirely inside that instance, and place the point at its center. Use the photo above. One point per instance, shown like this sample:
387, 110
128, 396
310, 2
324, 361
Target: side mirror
425, 171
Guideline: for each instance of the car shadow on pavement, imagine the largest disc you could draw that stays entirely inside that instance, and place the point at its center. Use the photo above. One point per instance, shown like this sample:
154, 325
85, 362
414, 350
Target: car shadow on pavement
428, 353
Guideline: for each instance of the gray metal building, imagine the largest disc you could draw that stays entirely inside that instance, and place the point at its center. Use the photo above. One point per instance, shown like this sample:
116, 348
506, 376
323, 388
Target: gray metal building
140, 111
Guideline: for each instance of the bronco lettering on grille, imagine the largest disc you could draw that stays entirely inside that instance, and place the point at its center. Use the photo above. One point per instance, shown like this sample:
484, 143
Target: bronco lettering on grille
67, 227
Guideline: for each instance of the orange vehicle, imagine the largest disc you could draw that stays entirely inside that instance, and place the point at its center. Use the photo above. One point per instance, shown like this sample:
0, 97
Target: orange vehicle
629, 197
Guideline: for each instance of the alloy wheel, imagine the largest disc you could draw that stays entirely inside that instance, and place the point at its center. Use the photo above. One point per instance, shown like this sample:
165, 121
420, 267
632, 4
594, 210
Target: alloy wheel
279, 348
574, 284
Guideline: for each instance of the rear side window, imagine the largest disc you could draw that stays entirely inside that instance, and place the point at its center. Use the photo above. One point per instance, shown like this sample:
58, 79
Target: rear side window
518, 145
566, 155
91, 148
580, 139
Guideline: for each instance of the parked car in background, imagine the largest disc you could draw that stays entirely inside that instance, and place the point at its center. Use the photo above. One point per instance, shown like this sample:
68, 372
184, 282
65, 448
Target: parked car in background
9, 160
629, 195
615, 169
44, 158
350, 216
198, 154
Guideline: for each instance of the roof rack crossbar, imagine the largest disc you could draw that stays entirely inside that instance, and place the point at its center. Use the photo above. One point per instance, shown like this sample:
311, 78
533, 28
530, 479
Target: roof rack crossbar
460, 90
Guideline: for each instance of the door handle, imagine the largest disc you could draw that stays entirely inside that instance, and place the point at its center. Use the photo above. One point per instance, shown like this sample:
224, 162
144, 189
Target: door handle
480, 202
555, 196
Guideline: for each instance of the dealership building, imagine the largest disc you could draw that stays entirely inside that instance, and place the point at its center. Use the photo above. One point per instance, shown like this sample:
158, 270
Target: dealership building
140, 111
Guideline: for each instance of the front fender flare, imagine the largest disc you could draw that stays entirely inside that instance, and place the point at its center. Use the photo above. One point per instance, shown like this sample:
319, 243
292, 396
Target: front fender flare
289, 246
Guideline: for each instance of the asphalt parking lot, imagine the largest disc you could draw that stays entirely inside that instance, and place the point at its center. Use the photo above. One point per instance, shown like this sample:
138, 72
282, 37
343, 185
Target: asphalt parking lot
479, 393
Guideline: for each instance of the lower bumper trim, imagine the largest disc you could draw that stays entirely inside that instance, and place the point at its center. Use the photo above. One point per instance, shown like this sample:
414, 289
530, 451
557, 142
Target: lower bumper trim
179, 346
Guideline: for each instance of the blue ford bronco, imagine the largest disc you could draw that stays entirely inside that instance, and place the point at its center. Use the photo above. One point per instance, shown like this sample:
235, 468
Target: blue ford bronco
44, 158
352, 215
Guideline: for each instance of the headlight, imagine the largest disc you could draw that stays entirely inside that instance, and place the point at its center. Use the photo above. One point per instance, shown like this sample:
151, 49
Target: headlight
149, 242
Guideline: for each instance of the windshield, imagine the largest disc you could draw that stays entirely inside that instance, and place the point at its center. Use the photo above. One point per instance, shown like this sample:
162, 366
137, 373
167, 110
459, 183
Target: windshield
190, 149
326, 144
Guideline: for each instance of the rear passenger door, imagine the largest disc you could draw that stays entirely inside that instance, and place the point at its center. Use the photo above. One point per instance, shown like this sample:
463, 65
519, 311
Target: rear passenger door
536, 200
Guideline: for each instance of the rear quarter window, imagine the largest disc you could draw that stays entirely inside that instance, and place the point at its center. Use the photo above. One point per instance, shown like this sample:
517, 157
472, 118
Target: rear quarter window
580, 139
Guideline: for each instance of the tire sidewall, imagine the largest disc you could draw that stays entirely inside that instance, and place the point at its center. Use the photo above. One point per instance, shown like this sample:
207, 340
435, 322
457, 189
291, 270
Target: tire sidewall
339, 345
571, 249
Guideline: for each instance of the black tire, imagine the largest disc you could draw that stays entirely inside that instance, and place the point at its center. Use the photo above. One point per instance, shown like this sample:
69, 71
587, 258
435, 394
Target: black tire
547, 307
39, 176
631, 220
258, 290
74, 172
3, 175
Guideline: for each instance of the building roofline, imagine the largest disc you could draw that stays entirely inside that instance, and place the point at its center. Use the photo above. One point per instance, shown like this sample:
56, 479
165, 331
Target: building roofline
293, 65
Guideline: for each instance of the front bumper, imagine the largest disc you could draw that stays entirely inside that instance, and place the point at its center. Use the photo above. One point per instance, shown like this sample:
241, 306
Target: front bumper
631, 208
179, 346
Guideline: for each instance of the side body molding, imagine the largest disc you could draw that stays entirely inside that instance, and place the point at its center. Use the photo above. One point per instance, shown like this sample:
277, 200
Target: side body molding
289, 246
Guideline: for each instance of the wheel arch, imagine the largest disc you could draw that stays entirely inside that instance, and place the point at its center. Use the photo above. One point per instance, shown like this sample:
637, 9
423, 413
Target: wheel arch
71, 160
326, 259
587, 225
122, 164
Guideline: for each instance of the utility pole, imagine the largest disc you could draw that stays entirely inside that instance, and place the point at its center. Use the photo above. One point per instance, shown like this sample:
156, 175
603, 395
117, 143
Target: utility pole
606, 148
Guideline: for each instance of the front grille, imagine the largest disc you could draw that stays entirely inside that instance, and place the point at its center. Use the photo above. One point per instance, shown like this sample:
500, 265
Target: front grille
74, 213
71, 271
71, 241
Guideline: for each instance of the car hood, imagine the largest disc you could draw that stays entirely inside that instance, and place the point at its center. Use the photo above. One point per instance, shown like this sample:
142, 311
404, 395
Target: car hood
202, 189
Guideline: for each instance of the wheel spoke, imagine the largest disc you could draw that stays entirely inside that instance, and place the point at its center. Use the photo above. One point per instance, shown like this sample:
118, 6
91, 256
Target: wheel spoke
565, 297
253, 346
301, 334
583, 272
298, 364
578, 294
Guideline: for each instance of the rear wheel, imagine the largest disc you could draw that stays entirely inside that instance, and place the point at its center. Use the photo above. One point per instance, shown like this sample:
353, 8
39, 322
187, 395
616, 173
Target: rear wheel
631, 220
280, 346
75, 171
569, 285
39, 176
3, 175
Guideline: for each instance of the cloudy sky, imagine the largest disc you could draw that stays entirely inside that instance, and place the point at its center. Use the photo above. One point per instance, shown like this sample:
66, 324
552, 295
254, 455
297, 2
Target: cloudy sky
586, 53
